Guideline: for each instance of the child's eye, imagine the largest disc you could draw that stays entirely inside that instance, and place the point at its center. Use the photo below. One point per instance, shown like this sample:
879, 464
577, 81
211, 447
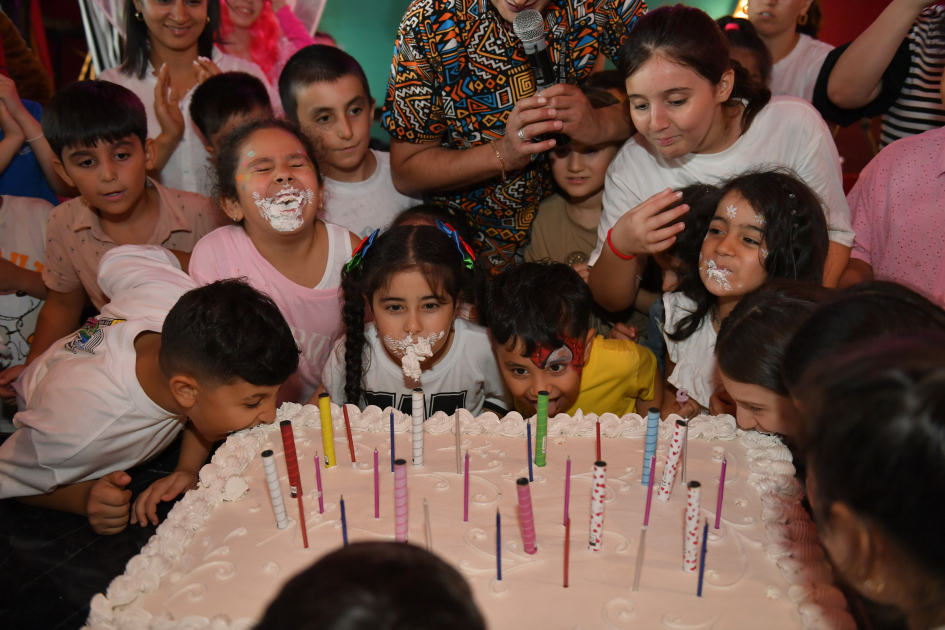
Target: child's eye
678, 103
557, 368
86, 163
322, 120
519, 372
562, 152
751, 241
393, 308
715, 231
640, 107
356, 111
430, 306
253, 405
755, 409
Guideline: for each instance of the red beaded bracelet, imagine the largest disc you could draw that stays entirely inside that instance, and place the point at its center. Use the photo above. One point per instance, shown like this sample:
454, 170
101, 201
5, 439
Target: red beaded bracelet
614, 249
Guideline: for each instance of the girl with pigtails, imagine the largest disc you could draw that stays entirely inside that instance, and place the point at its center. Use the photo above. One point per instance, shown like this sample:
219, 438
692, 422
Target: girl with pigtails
411, 278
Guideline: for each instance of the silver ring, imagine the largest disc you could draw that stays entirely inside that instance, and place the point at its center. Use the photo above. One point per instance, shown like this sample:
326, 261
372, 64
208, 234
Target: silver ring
521, 136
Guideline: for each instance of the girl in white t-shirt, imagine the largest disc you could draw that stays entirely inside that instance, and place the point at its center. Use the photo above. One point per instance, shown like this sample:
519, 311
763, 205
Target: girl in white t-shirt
270, 186
411, 279
700, 120
766, 225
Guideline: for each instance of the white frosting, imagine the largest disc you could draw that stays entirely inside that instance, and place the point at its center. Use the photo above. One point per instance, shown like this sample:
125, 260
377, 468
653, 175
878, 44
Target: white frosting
217, 565
411, 352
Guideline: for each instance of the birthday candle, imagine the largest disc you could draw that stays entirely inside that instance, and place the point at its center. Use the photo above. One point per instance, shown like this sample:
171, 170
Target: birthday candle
392, 441
597, 506
649, 494
705, 538
652, 433
646, 524
691, 541
426, 523
344, 522
328, 436
466, 491
377, 488
685, 451
525, 515
528, 443
417, 427
718, 507
400, 500
354, 461
567, 548
275, 492
672, 462
318, 484
567, 489
295, 479
541, 428
597, 430
498, 544
459, 469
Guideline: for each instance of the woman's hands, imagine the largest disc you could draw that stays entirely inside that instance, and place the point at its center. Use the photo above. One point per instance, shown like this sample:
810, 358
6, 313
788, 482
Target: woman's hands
167, 106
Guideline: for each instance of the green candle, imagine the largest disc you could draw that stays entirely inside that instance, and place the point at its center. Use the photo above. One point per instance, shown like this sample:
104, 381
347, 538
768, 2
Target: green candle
541, 433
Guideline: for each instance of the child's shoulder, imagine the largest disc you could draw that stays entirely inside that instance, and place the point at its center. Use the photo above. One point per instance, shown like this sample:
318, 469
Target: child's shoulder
619, 351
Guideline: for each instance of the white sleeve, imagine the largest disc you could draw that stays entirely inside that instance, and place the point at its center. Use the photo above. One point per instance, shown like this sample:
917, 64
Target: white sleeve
333, 374
620, 196
142, 281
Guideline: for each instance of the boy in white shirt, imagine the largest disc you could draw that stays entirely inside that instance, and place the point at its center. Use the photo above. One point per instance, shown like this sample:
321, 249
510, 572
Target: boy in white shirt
117, 393
325, 91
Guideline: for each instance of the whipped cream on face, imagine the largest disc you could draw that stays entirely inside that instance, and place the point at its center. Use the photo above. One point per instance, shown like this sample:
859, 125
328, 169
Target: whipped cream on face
719, 274
413, 352
284, 210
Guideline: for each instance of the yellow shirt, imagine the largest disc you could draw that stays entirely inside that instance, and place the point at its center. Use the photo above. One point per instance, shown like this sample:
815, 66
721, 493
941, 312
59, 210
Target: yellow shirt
617, 373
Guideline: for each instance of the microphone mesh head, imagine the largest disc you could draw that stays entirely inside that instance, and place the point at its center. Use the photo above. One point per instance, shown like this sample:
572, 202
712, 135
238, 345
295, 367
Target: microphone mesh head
529, 25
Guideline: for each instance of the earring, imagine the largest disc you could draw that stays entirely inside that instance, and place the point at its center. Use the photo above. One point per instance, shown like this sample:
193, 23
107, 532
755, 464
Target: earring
874, 587
208, 19
139, 16
802, 20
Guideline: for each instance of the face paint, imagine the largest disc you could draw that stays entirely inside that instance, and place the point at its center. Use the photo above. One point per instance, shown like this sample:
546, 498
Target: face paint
251, 154
571, 353
411, 352
284, 211
764, 252
760, 219
731, 211
713, 272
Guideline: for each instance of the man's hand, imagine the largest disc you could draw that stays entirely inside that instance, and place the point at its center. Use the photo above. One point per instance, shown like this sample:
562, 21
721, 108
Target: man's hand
165, 489
109, 503
646, 228
579, 119
532, 117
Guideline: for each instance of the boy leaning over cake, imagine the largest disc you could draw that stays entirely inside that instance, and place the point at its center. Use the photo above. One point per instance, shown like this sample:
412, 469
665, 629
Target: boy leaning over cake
543, 342
117, 393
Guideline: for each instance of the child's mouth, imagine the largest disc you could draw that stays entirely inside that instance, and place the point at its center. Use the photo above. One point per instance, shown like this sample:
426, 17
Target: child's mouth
284, 210
719, 274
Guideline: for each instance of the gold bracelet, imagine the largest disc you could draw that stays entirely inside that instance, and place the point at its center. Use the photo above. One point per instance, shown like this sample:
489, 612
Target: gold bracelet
501, 161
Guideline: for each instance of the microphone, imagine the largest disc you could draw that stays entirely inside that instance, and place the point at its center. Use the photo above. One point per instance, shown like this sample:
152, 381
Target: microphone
529, 26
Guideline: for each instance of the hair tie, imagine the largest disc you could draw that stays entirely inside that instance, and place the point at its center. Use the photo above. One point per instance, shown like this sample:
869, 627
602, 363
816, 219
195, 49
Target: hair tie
733, 26
360, 251
464, 250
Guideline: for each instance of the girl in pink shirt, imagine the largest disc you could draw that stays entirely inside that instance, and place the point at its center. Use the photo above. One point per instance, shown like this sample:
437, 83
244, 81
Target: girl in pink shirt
271, 187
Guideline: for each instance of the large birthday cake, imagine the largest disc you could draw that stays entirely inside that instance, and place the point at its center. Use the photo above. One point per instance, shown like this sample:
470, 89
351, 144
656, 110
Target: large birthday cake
219, 558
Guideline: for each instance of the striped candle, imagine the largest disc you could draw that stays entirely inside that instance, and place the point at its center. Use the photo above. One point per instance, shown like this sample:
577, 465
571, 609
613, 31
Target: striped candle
417, 427
275, 492
691, 540
541, 428
291, 460
328, 436
672, 461
400, 500
652, 434
525, 515
598, 491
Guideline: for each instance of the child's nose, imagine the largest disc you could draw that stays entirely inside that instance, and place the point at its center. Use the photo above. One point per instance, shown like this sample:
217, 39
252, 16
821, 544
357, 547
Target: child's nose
344, 128
412, 325
658, 118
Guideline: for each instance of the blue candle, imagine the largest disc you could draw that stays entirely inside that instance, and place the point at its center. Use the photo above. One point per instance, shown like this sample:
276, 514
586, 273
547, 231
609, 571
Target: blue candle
498, 544
344, 522
705, 539
392, 441
528, 435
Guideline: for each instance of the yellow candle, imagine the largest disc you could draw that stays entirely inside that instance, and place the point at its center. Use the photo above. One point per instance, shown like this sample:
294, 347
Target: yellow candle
328, 437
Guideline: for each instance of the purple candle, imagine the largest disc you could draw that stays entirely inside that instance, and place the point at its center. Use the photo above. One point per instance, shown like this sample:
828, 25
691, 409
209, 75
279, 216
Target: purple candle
649, 493
377, 494
567, 488
718, 508
318, 483
528, 436
392, 441
498, 544
466, 491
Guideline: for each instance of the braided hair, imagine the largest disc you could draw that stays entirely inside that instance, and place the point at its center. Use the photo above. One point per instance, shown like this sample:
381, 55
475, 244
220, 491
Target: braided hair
400, 249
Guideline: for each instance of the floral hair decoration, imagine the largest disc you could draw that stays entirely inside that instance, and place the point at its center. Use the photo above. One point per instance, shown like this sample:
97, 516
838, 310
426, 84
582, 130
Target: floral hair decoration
464, 250
361, 251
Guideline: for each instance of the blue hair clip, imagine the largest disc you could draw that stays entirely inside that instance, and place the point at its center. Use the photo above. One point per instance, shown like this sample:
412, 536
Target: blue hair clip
361, 251
464, 250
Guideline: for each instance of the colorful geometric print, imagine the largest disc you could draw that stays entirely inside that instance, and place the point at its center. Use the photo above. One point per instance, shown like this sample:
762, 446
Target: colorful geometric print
91, 334
458, 71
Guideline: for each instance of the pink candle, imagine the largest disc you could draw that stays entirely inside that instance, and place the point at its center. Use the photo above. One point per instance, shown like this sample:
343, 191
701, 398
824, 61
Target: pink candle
526, 516
718, 508
466, 491
598, 438
567, 489
649, 493
377, 494
318, 483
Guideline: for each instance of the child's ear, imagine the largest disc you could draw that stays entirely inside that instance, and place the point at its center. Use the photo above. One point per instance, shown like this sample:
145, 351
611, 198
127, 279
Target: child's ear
725, 86
61, 171
588, 342
204, 141
232, 209
150, 154
185, 390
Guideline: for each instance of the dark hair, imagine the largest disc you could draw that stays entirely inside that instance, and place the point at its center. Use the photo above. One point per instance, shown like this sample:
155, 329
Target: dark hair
606, 80
691, 38
814, 16
224, 96
228, 331
138, 41
741, 33
373, 585
795, 236
752, 339
534, 302
88, 112
228, 157
599, 97
877, 442
428, 214
317, 63
869, 310
400, 249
